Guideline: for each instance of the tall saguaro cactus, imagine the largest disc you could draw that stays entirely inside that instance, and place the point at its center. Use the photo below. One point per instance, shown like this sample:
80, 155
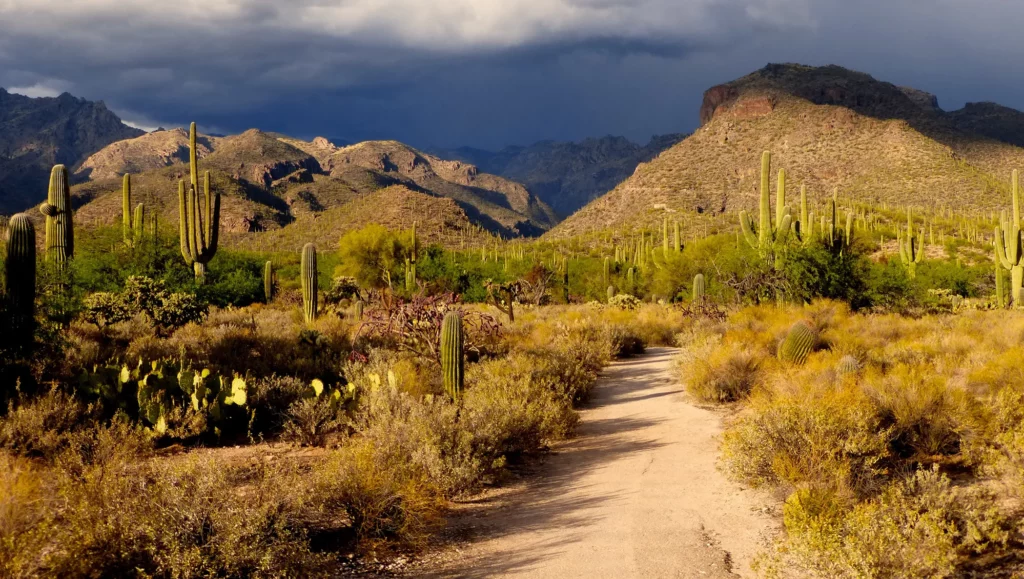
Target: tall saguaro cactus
911, 252
132, 226
1000, 289
453, 364
768, 237
199, 226
60, 235
805, 227
698, 288
1007, 241
309, 282
268, 281
20, 277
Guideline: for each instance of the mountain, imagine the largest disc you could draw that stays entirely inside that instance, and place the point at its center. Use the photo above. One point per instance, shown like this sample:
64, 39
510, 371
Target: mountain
567, 176
278, 191
829, 127
37, 133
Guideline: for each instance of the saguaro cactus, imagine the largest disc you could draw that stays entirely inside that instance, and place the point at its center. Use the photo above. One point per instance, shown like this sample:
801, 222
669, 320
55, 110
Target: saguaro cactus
198, 232
268, 281
309, 282
1008, 243
20, 277
911, 252
698, 288
805, 227
678, 245
453, 364
132, 227
768, 237
1000, 289
60, 236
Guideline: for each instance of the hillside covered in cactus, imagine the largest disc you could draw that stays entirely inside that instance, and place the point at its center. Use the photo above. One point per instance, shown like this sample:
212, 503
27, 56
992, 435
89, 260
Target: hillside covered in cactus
831, 128
277, 189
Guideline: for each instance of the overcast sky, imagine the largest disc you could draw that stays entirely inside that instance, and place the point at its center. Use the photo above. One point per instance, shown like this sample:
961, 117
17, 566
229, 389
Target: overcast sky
484, 72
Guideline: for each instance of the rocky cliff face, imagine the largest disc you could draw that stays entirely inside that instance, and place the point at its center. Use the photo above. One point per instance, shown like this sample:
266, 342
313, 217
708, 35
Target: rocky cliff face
37, 133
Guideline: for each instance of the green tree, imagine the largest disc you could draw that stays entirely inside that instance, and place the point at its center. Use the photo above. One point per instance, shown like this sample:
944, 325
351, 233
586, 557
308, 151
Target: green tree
373, 255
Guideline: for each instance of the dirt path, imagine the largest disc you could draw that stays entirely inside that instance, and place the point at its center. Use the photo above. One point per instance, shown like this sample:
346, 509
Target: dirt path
635, 494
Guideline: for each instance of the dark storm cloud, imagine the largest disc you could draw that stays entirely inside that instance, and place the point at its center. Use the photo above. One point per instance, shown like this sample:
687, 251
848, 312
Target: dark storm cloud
483, 72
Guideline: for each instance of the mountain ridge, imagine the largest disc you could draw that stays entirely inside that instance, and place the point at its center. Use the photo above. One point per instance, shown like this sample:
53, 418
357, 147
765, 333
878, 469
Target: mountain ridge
37, 133
829, 127
566, 175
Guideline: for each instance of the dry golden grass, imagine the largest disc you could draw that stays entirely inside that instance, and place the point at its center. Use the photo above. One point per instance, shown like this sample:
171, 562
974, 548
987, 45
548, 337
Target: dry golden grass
856, 444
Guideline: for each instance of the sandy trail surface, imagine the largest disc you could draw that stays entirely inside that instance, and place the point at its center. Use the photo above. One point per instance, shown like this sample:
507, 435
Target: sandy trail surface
635, 494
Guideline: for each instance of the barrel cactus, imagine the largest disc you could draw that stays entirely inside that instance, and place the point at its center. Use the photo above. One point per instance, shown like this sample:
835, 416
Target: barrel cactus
198, 225
357, 310
20, 278
453, 364
698, 288
798, 343
309, 282
268, 281
847, 365
60, 237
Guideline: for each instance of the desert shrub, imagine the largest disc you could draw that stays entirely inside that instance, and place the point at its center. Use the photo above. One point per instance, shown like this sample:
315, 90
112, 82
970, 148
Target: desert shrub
148, 297
105, 508
260, 340
270, 399
924, 414
510, 409
45, 425
922, 526
383, 494
311, 421
720, 374
424, 431
807, 435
